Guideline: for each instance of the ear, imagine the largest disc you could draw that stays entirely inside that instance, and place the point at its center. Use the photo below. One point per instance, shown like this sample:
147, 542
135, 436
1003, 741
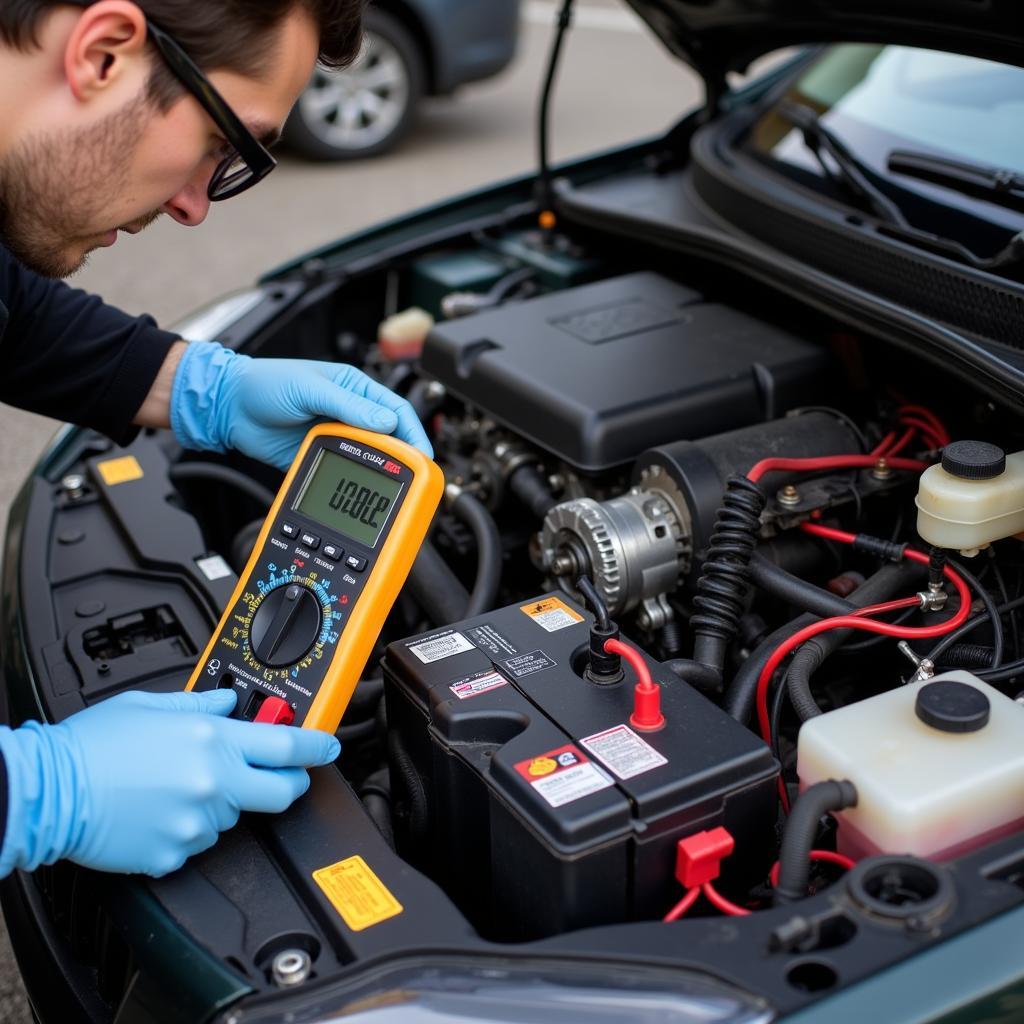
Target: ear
108, 41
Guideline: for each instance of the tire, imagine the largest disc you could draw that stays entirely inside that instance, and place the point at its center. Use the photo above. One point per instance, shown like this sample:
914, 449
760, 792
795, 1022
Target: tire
367, 108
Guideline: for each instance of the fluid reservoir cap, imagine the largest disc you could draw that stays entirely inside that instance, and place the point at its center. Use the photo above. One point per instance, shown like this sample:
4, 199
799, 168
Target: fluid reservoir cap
973, 460
951, 706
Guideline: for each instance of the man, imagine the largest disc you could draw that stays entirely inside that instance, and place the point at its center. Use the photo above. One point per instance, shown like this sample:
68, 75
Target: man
112, 113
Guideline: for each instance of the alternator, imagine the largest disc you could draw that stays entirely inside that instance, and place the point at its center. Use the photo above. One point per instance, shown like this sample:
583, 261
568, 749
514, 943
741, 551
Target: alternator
636, 547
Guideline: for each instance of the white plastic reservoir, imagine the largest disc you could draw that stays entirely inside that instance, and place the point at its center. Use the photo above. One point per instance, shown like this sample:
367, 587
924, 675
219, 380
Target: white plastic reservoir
938, 767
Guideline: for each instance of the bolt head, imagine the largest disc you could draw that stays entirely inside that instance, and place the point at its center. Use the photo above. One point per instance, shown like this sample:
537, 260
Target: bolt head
291, 967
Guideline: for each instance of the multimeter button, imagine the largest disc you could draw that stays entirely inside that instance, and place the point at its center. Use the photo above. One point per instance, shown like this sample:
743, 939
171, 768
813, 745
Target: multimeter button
285, 626
310, 540
333, 552
355, 563
275, 711
289, 530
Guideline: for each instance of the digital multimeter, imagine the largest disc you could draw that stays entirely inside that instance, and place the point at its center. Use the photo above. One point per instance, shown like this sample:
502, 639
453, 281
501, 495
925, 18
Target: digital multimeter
334, 552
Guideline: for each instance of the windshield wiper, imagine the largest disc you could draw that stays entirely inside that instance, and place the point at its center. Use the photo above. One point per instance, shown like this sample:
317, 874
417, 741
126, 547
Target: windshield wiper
848, 171
991, 184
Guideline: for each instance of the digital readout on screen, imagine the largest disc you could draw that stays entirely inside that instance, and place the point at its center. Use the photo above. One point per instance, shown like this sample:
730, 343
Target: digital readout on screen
348, 498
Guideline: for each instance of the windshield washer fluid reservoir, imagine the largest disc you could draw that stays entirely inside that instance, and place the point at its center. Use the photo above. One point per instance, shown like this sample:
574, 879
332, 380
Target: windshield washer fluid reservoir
938, 767
974, 498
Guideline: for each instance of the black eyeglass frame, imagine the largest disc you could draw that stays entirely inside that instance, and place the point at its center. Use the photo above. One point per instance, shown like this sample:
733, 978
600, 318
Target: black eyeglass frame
258, 161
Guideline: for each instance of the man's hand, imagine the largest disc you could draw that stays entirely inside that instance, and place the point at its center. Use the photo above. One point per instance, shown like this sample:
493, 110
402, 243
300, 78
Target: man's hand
143, 781
265, 407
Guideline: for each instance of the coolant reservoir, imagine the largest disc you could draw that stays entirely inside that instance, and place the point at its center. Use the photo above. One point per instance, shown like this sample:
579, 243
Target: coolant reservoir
974, 498
938, 766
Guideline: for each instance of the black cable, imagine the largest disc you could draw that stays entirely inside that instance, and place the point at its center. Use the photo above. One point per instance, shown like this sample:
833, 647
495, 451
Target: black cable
242, 545
215, 472
701, 677
990, 614
1005, 595
471, 512
803, 595
435, 588
801, 830
809, 656
508, 284
741, 693
596, 602
544, 112
958, 634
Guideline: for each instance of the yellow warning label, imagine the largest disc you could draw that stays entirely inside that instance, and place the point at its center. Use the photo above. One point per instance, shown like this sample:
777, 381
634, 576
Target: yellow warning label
552, 614
542, 766
356, 893
120, 471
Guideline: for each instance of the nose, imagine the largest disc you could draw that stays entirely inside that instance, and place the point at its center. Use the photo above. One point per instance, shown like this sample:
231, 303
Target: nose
191, 205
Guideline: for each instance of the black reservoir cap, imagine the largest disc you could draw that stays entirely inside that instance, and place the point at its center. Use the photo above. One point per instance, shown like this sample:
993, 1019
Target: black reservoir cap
973, 460
952, 706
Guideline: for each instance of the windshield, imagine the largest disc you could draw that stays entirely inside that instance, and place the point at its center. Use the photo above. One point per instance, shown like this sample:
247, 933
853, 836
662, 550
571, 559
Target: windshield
879, 99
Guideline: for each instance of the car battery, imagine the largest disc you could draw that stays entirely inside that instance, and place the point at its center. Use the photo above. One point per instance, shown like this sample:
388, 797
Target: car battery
522, 789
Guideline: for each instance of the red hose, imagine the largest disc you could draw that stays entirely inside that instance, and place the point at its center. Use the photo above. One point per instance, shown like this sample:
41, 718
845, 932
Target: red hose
683, 905
859, 620
646, 694
827, 856
724, 905
831, 462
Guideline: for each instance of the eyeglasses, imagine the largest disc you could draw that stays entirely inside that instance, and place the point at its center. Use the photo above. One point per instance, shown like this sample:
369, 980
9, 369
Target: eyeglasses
248, 162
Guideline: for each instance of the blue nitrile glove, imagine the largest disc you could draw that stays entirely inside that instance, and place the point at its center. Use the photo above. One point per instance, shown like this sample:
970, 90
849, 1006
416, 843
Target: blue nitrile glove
143, 781
265, 407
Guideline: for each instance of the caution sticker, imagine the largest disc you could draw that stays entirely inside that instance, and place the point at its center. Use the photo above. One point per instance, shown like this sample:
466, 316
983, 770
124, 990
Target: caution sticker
563, 775
120, 471
356, 893
440, 646
473, 686
623, 751
552, 614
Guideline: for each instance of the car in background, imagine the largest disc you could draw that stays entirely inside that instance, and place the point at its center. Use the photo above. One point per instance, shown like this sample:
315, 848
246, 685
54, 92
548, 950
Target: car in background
412, 49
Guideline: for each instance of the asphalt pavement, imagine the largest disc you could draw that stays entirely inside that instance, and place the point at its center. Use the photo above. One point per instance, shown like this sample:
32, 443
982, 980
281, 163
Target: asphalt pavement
617, 84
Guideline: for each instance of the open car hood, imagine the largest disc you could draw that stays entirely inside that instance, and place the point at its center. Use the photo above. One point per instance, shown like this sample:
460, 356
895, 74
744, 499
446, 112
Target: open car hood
717, 36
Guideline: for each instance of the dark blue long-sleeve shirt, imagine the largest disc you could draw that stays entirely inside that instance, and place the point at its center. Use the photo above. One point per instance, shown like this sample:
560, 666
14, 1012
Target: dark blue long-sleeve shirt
68, 355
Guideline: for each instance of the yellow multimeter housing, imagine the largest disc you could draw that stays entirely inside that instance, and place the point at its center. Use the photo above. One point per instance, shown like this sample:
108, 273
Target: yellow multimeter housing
333, 554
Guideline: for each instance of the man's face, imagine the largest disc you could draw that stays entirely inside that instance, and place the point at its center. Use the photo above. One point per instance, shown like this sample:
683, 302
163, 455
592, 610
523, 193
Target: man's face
69, 189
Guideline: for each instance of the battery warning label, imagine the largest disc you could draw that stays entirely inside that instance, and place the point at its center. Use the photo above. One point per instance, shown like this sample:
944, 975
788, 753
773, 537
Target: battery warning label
551, 614
563, 775
473, 686
623, 751
440, 646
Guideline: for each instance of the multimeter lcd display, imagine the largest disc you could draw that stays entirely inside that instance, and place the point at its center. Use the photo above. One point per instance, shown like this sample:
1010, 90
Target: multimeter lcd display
349, 498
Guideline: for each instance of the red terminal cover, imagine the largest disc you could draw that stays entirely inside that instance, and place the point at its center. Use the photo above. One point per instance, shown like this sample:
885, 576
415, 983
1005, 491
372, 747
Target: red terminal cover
698, 857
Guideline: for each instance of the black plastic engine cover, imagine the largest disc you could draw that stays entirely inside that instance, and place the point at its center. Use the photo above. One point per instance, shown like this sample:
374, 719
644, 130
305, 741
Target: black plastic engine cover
597, 374
541, 810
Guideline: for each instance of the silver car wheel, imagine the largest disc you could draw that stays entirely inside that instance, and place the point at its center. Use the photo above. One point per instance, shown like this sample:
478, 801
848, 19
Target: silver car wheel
362, 105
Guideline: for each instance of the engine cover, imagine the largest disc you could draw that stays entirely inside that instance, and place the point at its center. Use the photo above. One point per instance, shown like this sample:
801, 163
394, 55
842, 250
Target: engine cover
523, 791
598, 374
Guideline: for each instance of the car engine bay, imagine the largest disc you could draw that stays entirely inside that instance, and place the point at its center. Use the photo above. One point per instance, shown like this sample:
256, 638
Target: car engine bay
638, 448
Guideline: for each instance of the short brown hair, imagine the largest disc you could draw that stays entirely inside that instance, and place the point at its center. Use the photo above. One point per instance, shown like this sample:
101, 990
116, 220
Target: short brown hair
231, 35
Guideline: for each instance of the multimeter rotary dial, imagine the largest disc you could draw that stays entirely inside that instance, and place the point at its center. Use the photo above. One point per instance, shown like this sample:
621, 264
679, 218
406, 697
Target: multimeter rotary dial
286, 623
285, 626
